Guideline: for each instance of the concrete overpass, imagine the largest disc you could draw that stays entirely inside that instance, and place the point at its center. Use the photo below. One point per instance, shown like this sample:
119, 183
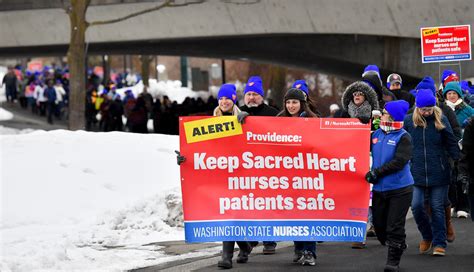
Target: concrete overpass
335, 36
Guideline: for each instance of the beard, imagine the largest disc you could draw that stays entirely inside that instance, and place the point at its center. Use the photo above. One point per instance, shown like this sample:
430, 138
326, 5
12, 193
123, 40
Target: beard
252, 105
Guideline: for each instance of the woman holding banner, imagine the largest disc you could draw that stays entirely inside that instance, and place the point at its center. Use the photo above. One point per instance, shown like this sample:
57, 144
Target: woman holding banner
433, 140
296, 105
393, 183
227, 96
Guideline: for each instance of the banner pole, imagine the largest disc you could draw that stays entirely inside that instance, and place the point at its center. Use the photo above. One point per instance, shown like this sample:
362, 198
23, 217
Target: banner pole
460, 74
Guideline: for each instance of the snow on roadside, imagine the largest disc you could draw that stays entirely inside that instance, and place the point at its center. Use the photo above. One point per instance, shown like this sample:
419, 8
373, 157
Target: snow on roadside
171, 88
12, 131
5, 115
88, 201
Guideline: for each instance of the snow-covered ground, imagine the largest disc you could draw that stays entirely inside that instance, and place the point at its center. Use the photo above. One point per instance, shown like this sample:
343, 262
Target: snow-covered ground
81, 201
13, 131
5, 115
171, 88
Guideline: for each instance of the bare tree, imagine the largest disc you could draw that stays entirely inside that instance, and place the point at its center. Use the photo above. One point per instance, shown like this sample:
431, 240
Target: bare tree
77, 9
145, 60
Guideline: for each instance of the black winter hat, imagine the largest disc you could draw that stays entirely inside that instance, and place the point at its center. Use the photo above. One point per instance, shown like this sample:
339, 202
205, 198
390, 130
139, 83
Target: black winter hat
294, 93
374, 81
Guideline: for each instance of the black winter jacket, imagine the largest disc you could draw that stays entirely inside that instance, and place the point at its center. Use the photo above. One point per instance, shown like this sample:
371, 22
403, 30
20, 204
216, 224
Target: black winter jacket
466, 163
261, 110
404, 95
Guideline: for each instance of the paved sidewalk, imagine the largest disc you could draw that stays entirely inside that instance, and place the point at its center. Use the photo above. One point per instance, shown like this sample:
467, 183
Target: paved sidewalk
24, 118
341, 257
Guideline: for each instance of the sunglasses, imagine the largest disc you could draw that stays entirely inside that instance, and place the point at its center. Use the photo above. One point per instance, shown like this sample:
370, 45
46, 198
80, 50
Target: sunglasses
358, 94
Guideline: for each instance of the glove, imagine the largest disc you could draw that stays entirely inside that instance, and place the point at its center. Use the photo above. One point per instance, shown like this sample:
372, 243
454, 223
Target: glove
376, 123
371, 177
241, 116
364, 119
465, 123
179, 159
464, 181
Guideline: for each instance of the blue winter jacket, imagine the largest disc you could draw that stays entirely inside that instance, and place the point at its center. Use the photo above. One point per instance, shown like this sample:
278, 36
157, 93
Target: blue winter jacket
429, 164
384, 148
50, 93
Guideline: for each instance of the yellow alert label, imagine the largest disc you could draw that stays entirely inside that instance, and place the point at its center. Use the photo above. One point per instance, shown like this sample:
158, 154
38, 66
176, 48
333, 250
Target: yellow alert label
430, 31
212, 128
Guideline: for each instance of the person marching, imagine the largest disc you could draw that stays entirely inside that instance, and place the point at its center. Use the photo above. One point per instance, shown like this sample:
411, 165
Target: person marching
296, 105
429, 84
227, 96
393, 183
453, 95
254, 100
254, 105
302, 85
454, 98
433, 140
359, 100
394, 84
466, 164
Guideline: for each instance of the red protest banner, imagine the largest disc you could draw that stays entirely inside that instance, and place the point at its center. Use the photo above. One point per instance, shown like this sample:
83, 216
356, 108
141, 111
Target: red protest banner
445, 43
274, 179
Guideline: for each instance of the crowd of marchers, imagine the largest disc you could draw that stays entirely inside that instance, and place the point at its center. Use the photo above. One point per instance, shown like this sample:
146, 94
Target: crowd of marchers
422, 148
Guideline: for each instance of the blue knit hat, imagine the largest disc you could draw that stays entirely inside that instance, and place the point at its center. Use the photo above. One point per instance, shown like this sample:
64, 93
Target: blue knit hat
228, 91
425, 98
448, 76
453, 86
465, 87
397, 109
301, 85
254, 85
427, 83
371, 68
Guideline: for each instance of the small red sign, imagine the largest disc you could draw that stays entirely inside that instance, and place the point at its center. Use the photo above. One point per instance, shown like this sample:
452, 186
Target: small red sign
445, 43
35, 66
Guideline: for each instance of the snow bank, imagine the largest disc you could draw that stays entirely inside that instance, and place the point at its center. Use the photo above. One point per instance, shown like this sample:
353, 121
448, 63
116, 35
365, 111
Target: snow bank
12, 131
88, 201
5, 115
172, 88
